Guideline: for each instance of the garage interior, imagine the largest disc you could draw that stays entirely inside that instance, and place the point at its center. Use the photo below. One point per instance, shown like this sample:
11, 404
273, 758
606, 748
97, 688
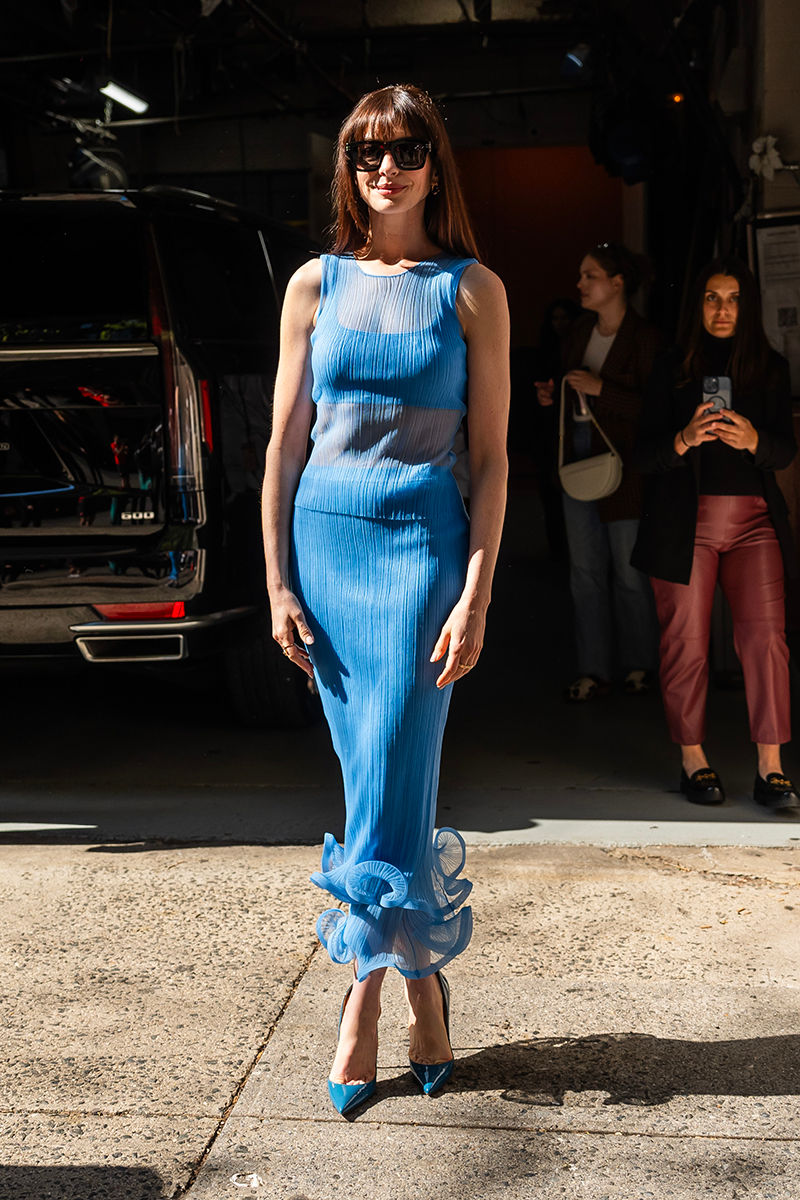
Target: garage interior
574, 122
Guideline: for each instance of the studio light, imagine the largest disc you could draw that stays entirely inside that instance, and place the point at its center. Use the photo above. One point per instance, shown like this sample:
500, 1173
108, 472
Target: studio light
97, 168
576, 60
122, 95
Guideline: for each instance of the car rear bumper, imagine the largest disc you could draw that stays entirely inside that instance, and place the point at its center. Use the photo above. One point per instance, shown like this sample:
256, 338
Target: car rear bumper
154, 641
131, 641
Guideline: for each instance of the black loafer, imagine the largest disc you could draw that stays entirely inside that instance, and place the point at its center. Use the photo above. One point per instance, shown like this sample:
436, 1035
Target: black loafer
776, 792
703, 787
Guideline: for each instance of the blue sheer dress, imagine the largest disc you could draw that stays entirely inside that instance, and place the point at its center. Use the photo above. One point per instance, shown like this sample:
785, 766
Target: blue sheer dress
379, 557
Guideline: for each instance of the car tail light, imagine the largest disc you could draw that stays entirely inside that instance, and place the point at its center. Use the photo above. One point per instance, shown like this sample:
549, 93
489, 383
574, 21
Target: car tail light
183, 409
141, 612
208, 430
184, 428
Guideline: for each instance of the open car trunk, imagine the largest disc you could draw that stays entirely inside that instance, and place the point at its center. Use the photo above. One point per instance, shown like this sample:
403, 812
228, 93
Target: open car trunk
81, 445
81, 378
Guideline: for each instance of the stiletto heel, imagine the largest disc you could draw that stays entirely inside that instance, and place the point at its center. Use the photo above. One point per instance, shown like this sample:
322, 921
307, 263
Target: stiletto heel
431, 1076
347, 1096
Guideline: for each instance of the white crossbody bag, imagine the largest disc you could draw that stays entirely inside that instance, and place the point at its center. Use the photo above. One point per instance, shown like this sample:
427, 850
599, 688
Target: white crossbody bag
589, 478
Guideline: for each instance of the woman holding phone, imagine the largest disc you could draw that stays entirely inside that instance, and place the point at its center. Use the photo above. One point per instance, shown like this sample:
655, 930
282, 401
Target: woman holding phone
712, 512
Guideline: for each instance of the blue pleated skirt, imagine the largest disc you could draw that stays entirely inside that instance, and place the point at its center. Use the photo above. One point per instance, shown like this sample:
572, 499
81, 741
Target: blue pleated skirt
376, 593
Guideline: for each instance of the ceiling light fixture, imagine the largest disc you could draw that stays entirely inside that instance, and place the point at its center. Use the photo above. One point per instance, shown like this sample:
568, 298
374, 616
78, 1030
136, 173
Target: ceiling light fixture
122, 95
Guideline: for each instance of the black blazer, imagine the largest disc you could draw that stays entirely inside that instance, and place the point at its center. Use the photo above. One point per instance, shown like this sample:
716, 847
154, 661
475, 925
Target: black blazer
665, 545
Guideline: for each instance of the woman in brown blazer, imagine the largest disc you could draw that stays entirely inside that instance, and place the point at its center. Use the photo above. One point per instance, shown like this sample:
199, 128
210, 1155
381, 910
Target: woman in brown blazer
609, 357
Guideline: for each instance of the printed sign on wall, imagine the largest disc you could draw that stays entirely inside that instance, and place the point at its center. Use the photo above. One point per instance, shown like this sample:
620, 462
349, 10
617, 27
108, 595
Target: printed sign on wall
778, 252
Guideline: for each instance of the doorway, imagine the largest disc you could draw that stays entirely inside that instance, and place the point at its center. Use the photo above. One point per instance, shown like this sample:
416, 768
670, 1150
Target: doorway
536, 211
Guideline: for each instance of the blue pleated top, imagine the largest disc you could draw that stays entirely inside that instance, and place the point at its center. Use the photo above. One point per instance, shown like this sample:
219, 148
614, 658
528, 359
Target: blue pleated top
389, 366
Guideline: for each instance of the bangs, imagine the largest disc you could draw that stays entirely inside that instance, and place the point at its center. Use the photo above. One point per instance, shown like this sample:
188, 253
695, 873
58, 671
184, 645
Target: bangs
383, 114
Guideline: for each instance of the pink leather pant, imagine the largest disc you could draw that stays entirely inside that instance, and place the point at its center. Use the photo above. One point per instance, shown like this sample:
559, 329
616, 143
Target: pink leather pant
735, 544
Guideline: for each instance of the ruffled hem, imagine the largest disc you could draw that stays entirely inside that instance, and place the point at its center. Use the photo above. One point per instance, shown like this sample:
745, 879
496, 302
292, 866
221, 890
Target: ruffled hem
396, 920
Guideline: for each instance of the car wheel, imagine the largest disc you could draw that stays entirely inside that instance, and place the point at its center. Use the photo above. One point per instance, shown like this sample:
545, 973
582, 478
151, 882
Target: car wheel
267, 690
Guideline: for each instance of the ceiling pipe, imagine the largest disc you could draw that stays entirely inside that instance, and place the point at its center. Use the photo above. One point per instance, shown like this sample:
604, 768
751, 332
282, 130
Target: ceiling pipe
322, 110
545, 89
272, 29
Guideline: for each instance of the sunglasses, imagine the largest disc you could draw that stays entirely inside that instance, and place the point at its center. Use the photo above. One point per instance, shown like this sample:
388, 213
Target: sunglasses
408, 154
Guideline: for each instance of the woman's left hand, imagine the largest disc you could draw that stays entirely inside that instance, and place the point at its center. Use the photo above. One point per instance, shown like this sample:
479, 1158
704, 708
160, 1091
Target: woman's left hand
462, 640
585, 381
740, 434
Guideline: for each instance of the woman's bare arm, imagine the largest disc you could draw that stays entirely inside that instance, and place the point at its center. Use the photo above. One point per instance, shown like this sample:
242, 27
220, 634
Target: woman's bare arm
286, 454
483, 311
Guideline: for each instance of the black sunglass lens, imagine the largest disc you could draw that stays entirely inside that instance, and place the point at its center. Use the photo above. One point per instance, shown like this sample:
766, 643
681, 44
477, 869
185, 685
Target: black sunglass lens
369, 154
409, 155
364, 155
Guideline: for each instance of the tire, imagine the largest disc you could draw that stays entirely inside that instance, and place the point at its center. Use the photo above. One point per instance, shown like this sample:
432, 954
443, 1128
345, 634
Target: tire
268, 691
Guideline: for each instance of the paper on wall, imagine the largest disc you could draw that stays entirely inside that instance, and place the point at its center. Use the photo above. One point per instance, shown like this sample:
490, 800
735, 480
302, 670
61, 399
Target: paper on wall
779, 271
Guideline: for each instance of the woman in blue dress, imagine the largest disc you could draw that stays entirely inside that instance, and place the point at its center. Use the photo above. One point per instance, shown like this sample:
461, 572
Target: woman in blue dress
378, 582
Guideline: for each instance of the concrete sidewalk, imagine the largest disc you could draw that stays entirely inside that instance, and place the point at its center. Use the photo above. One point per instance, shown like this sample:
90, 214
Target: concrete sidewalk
625, 1025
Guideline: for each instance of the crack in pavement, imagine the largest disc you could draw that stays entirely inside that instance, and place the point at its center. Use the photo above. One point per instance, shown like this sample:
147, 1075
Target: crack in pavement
183, 1189
683, 1135
660, 862
108, 1113
101, 1112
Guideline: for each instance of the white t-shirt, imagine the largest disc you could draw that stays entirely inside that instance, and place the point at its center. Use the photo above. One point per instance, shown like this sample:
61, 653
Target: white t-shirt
594, 356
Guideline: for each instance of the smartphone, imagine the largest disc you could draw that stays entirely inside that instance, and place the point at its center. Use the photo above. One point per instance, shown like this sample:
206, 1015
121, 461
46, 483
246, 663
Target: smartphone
717, 389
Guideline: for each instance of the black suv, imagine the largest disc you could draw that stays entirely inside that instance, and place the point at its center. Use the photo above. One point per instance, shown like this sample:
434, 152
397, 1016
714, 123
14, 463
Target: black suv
138, 346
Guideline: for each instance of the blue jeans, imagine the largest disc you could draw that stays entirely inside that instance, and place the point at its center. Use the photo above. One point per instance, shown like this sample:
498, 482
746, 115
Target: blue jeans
600, 569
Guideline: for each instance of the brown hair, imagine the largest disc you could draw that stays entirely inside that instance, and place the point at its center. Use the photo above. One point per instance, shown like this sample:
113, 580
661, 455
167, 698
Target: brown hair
750, 354
380, 114
616, 259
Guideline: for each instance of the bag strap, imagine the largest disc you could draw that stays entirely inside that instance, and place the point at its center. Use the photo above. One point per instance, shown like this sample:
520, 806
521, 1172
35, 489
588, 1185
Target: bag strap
561, 426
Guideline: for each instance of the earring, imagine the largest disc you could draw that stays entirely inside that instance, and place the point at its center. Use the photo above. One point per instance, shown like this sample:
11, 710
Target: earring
435, 188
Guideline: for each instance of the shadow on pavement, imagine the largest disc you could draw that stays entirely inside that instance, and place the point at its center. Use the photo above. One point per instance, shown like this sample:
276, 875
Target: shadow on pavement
633, 1068
80, 1183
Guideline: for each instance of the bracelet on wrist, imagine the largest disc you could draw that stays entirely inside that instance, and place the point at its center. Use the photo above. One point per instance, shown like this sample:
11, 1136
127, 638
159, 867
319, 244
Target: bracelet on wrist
683, 439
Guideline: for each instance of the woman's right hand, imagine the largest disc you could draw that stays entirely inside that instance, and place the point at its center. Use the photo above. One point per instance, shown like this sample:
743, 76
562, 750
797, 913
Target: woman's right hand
702, 428
544, 392
287, 616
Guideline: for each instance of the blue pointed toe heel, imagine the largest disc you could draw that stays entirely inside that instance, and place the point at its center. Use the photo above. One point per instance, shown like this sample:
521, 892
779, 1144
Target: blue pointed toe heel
347, 1096
431, 1076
